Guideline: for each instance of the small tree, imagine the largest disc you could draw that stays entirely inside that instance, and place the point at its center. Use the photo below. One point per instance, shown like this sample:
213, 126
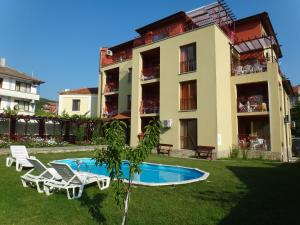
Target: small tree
116, 151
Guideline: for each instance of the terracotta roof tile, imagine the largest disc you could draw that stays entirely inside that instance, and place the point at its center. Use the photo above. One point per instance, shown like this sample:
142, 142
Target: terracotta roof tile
81, 91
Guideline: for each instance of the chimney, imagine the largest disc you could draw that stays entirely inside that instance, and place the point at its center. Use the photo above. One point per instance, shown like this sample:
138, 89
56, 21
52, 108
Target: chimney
2, 62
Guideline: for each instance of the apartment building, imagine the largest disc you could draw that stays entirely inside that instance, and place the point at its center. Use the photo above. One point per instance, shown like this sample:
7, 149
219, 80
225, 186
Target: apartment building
17, 90
81, 101
211, 79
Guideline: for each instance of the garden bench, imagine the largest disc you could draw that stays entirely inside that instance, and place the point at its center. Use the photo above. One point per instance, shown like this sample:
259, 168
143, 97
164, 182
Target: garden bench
164, 148
204, 151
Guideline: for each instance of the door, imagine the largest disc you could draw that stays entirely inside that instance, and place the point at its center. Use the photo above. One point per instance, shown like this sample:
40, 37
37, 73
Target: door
188, 133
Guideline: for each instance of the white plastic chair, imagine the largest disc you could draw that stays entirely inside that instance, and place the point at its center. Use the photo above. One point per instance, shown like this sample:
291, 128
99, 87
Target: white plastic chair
44, 174
19, 155
73, 182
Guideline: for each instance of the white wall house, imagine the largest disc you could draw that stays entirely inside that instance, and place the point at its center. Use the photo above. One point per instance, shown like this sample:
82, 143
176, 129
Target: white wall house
17, 90
80, 102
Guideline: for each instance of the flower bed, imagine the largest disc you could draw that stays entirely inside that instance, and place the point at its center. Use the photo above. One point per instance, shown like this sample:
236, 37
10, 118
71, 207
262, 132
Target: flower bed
32, 142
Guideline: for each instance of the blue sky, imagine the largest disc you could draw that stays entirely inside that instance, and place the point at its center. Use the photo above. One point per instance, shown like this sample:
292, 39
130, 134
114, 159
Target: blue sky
59, 40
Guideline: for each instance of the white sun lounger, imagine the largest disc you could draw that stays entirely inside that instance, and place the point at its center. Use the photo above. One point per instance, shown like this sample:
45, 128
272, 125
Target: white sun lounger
73, 182
44, 174
19, 155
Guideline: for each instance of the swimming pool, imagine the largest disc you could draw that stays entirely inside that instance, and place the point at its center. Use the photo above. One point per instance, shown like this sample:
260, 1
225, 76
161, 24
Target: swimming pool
152, 174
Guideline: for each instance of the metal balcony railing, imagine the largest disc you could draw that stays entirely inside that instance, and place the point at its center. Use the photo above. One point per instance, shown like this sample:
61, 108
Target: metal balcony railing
149, 106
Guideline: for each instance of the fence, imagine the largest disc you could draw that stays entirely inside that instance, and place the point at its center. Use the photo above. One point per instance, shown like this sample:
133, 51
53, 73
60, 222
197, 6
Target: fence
64, 129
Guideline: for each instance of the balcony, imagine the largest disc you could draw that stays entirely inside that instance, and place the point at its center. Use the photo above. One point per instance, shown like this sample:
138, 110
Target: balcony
254, 133
149, 107
19, 94
150, 73
162, 33
150, 64
252, 56
111, 87
249, 67
252, 98
120, 53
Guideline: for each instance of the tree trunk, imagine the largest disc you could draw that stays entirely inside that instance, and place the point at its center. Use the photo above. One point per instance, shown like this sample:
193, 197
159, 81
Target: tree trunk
125, 216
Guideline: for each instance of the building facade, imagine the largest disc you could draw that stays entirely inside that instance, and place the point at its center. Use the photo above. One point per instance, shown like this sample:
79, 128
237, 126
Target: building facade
79, 102
17, 90
211, 79
296, 98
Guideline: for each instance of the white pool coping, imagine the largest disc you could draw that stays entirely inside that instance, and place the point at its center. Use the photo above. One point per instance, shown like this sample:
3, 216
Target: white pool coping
203, 177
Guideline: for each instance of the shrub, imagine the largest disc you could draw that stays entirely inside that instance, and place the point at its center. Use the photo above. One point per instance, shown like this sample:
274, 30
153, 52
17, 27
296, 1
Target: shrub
234, 151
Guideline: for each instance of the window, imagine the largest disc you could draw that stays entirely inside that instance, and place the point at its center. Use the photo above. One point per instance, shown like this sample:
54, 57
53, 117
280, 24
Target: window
1, 82
76, 105
129, 75
18, 86
188, 58
21, 105
129, 102
188, 95
28, 88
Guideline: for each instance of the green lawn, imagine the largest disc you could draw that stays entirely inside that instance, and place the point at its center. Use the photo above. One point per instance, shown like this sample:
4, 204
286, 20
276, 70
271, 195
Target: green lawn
236, 192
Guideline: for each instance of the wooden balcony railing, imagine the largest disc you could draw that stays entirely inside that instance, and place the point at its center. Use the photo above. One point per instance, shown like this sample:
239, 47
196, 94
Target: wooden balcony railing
188, 66
149, 106
188, 103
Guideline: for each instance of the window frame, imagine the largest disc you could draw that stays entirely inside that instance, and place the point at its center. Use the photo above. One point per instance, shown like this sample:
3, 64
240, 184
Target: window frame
191, 104
74, 108
190, 65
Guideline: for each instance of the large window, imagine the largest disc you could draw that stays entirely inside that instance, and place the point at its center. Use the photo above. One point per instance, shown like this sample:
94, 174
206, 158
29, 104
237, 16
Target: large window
188, 58
22, 105
23, 87
76, 105
188, 95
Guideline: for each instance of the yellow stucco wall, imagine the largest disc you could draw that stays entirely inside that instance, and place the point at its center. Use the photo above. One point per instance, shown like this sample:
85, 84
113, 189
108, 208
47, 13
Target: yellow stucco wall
86, 104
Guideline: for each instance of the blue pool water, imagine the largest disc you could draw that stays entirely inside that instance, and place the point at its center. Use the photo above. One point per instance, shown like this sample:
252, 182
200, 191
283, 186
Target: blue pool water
151, 175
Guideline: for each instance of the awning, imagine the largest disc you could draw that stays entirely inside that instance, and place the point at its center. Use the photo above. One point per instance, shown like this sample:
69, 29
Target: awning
121, 116
255, 44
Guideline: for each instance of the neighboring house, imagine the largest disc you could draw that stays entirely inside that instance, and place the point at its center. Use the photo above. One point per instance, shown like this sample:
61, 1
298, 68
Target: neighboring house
211, 79
17, 90
50, 107
296, 98
80, 101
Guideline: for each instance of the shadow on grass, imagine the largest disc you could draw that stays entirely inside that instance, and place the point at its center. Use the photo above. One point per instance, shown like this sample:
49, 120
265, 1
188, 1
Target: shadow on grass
94, 206
271, 197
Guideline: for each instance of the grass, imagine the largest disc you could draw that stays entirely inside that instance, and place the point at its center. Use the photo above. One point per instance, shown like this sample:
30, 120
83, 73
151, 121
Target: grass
236, 192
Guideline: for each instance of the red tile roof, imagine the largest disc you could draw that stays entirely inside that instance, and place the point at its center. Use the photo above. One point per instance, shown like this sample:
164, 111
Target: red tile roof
14, 73
296, 89
81, 91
